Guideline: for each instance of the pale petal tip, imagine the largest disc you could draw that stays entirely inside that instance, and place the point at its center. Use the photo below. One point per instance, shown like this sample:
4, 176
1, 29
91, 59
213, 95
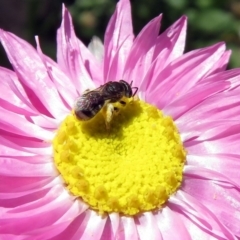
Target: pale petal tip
96, 48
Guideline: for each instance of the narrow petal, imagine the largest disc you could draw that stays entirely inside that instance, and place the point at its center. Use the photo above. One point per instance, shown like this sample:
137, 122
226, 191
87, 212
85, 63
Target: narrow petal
141, 53
15, 146
118, 40
169, 46
181, 104
12, 186
49, 208
182, 74
173, 39
8, 149
24, 127
200, 216
108, 231
36, 190
147, 227
168, 220
32, 68
96, 48
71, 232
62, 83
194, 122
221, 64
127, 229
94, 228
88, 226
227, 164
74, 58
232, 76
27, 169
224, 202
63, 222
10, 100
24, 104
12, 236
115, 219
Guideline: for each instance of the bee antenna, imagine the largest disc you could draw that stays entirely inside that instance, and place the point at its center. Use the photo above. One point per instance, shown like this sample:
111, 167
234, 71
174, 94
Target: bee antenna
134, 91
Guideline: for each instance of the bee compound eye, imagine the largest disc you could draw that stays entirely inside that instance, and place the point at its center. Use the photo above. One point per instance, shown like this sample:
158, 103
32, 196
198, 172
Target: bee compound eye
122, 102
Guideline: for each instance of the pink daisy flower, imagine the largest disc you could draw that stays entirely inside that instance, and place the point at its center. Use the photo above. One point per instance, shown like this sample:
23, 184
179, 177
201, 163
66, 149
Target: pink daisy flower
179, 167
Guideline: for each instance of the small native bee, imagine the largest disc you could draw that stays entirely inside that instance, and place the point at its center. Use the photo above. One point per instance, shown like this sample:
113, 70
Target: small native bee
91, 102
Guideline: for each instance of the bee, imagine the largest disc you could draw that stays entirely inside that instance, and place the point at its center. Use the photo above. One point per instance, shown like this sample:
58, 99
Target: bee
92, 101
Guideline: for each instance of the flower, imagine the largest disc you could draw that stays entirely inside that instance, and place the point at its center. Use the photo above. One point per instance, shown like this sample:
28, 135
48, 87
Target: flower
193, 89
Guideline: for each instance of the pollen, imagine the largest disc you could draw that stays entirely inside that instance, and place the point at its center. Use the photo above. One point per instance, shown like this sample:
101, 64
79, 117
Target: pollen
133, 167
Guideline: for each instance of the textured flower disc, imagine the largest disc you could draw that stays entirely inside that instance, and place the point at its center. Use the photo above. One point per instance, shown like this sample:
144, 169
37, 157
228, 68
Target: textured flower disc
133, 167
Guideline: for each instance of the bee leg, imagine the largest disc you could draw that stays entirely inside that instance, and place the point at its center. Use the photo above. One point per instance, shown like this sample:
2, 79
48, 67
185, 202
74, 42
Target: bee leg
109, 115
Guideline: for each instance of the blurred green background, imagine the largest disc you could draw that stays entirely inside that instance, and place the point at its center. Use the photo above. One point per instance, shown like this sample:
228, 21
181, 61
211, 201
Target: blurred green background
210, 21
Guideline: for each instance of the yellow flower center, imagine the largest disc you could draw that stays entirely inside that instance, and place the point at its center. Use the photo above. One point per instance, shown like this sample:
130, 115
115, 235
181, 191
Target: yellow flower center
133, 167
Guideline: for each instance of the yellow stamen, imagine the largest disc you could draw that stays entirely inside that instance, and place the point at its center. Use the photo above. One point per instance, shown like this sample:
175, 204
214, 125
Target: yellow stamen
132, 167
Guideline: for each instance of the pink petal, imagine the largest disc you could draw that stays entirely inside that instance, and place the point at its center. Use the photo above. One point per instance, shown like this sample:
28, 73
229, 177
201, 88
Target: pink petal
227, 164
9, 149
182, 74
63, 84
171, 224
12, 237
169, 46
19, 194
11, 166
208, 174
24, 197
35, 159
200, 216
141, 53
24, 104
49, 208
23, 126
74, 58
181, 104
94, 228
10, 100
15, 146
224, 202
218, 130
232, 76
127, 229
173, 39
118, 40
222, 63
56, 229
32, 68
16, 186
214, 108
108, 232
88, 225
73, 226
147, 227
114, 219
46, 122
228, 144
96, 48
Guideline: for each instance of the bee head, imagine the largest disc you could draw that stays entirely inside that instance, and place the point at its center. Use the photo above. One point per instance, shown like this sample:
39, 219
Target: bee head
128, 89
